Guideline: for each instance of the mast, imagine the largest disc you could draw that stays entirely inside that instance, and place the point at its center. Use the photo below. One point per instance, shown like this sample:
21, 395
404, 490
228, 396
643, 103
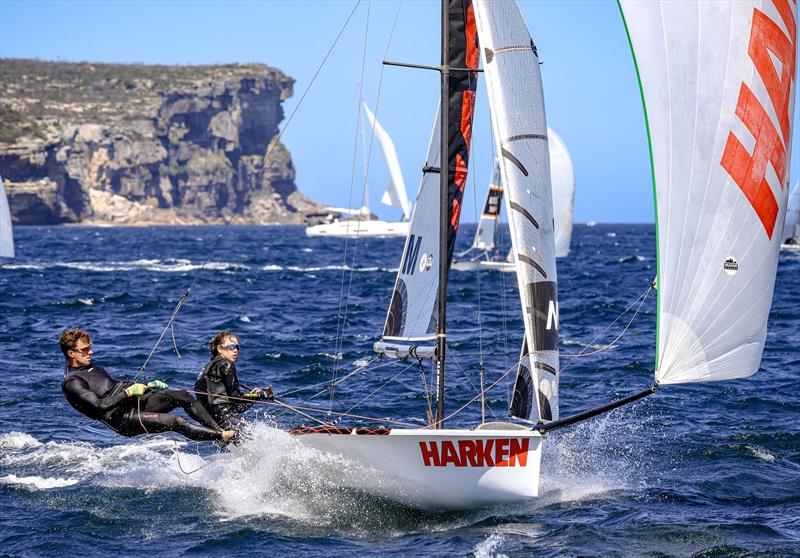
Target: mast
444, 214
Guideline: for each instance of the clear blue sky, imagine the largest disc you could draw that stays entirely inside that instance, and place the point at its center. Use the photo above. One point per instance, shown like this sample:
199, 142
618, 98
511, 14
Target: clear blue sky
591, 93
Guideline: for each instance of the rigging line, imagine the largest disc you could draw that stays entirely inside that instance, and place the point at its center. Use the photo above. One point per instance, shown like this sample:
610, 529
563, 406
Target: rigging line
265, 159
383, 385
350, 415
203, 466
642, 298
461, 368
279, 403
428, 401
339, 381
340, 318
482, 393
364, 188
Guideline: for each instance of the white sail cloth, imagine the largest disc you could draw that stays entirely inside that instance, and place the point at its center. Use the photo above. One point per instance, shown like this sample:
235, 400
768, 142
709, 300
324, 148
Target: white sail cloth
6, 233
395, 194
516, 103
490, 216
411, 321
563, 180
791, 227
718, 81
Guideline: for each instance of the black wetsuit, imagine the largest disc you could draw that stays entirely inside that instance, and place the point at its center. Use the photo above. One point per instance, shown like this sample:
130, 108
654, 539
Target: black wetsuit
93, 392
215, 384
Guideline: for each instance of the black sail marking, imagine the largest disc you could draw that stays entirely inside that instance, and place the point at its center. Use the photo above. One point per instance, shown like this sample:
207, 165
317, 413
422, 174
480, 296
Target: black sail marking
545, 367
523, 392
527, 260
398, 308
527, 136
517, 163
544, 407
517, 207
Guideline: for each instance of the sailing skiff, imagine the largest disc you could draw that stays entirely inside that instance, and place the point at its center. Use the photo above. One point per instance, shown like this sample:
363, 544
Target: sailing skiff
718, 92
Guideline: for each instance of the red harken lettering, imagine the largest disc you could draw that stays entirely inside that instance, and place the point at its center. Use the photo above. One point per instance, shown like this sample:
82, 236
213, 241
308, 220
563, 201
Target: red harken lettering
749, 171
502, 452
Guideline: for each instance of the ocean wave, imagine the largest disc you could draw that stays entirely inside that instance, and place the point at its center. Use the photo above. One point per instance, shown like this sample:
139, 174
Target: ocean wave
39, 483
177, 265
630, 259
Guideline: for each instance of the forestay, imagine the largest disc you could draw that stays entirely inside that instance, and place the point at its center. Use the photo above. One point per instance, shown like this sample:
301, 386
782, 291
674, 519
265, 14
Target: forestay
563, 180
395, 194
6, 233
718, 81
516, 103
487, 226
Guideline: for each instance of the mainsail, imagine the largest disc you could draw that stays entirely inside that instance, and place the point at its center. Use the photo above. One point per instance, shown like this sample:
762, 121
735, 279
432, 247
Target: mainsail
487, 226
563, 181
410, 327
395, 194
516, 103
6, 233
718, 83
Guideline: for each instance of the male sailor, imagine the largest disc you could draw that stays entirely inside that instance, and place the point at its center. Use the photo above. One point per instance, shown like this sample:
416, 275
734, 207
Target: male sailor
217, 385
130, 408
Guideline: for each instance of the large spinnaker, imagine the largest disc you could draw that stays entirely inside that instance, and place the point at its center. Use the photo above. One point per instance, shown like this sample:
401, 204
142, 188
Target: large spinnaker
411, 322
718, 84
6, 233
490, 217
395, 194
516, 103
563, 180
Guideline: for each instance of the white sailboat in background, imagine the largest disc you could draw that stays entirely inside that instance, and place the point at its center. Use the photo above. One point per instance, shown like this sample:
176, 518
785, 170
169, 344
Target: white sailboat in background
482, 253
362, 223
6, 231
791, 227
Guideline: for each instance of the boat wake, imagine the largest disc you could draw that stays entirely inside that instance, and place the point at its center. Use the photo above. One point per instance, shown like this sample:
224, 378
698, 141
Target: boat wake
271, 477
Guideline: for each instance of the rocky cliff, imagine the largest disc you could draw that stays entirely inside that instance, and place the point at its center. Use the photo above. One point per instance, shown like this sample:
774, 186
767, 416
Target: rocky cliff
136, 144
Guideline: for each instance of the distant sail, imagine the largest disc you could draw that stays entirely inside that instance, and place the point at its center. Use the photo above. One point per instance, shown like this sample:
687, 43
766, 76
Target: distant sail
718, 83
563, 180
791, 227
413, 310
6, 232
395, 194
487, 226
516, 103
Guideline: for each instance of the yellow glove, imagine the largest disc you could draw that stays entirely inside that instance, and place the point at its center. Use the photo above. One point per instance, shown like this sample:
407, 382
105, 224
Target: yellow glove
251, 395
157, 384
136, 389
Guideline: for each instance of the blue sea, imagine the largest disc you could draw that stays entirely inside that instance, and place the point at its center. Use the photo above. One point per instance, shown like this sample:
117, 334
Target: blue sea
697, 470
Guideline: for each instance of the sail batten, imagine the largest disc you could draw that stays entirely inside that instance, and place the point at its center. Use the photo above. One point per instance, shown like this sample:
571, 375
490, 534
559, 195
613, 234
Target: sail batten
717, 86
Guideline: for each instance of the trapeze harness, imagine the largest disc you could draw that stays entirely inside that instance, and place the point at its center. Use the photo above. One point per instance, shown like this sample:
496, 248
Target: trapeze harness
93, 392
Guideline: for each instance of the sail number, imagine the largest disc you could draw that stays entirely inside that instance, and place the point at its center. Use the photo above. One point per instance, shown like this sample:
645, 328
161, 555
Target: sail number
410, 257
767, 42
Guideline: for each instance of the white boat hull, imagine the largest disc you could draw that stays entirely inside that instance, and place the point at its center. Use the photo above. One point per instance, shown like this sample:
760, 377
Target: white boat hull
476, 265
355, 228
790, 247
441, 469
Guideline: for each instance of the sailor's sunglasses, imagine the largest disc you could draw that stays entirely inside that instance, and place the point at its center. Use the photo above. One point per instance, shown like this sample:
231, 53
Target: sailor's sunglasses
230, 347
84, 350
